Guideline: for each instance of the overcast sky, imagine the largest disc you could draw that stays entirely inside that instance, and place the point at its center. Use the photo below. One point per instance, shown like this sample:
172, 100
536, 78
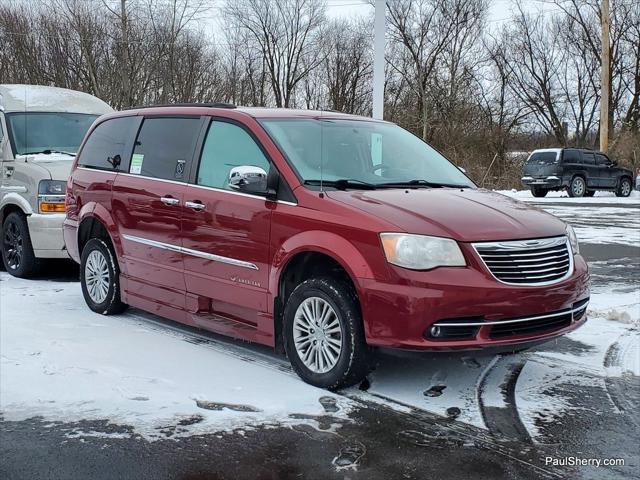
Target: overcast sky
500, 11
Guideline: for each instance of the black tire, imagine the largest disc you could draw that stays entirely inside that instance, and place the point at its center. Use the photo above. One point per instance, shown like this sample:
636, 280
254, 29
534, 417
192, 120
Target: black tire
111, 304
624, 187
353, 362
17, 250
577, 187
539, 192
589, 193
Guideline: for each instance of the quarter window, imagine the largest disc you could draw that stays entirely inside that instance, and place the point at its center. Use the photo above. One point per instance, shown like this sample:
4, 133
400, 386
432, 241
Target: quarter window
227, 146
104, 149
164, 148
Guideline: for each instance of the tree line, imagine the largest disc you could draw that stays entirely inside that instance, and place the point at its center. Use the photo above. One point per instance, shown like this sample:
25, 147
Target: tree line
476, 89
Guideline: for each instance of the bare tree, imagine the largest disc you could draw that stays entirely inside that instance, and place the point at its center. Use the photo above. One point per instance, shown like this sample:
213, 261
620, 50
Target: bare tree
284, 32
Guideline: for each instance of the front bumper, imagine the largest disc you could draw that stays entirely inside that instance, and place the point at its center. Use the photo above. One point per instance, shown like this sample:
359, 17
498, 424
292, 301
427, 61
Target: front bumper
551, 181
45, 231
401, 314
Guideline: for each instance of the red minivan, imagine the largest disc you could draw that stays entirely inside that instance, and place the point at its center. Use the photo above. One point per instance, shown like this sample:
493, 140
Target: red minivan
324, 233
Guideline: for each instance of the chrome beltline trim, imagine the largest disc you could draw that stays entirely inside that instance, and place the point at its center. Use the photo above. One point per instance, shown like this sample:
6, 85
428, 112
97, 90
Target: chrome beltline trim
221, 190
583, 306
193, 253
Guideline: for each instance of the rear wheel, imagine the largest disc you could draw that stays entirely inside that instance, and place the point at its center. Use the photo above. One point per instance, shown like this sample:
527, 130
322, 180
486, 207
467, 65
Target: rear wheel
577, 188
17, 251
624, 188
539, 192
323, 334
100, 278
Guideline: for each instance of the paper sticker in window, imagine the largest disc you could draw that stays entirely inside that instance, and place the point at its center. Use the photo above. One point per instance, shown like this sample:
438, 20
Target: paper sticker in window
136, 163
376, 149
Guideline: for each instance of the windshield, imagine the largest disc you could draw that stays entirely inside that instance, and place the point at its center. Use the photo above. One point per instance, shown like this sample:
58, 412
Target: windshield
34, 132
543, 158
372, 153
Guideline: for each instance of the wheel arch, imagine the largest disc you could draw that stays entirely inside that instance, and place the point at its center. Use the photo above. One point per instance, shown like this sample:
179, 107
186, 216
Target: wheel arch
12, 202
96, 222
312, 254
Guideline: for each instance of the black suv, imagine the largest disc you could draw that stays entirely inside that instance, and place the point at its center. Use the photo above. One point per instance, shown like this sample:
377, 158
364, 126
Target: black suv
580, 171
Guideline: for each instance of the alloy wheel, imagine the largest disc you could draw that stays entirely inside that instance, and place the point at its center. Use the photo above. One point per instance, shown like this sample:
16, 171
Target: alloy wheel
578, 187
317, 334
97, 277
13, 246
625, 188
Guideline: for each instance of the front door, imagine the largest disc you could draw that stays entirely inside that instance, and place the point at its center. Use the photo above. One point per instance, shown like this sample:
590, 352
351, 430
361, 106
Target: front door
226, 236
147, 203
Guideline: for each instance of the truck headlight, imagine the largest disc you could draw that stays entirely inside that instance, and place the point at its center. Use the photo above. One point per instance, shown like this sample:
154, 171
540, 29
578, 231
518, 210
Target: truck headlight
51, 195
420, 252
573, 240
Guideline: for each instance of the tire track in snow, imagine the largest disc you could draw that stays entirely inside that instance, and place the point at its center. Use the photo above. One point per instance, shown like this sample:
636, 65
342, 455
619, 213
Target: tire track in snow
623, 389
497, 399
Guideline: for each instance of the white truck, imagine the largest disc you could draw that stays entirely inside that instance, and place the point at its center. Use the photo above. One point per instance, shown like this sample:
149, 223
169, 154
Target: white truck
41, 129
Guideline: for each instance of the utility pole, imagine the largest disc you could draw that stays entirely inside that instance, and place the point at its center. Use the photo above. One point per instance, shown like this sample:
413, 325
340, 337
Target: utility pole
378, 59
605, 78
126, 67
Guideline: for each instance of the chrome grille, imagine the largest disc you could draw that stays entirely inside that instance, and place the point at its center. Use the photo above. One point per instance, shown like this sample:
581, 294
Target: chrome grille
528, 262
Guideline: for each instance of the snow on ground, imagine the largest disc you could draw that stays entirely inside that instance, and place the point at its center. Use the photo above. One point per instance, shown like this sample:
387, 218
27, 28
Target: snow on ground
63, 362
600, 197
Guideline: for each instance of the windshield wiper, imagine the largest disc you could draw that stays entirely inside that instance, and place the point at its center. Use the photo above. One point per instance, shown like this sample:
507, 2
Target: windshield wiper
343, 184
49, 152
421, 183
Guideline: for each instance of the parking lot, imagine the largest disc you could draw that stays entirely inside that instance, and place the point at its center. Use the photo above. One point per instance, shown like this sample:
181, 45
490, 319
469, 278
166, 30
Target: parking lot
141, 395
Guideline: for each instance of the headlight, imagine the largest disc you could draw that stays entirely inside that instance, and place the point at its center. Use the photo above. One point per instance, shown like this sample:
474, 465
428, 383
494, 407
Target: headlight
419, 252
573, 240
51, 195
52, 187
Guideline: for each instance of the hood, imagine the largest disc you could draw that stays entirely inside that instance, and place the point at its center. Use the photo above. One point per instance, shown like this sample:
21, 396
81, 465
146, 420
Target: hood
58, 165
467, 215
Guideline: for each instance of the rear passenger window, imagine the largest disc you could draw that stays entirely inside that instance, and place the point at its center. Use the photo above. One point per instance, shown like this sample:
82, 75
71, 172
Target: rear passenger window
588, 158
104, 149
571, 156
602, 160
227, 146
164, 148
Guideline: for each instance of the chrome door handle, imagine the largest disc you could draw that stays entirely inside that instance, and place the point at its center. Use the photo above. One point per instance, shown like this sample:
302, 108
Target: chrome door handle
169, 201
195, 205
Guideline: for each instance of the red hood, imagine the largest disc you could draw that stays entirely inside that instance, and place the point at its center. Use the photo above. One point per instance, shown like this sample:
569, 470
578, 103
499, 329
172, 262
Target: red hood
466, 215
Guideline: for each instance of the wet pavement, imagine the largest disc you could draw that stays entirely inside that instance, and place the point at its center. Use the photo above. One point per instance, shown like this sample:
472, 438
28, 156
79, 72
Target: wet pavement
458, 416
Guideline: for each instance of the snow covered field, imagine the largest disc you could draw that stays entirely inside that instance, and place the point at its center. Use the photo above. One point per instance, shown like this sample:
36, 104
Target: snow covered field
599, 198
61, 362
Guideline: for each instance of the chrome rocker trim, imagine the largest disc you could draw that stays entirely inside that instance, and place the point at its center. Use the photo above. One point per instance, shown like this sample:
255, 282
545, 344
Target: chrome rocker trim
193, 253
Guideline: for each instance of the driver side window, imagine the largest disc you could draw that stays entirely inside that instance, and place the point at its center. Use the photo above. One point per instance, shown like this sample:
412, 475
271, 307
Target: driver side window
227, 146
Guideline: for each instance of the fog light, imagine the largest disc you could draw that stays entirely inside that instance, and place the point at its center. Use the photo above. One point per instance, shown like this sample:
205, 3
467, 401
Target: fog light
435, 331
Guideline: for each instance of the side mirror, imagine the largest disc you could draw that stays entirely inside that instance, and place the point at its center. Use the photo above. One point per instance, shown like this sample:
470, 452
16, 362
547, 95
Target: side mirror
248, 179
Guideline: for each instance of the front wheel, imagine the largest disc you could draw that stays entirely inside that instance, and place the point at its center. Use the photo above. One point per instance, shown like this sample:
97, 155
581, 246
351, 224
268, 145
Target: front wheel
17, 250
323, 334
624, 188
577, 188
100, 278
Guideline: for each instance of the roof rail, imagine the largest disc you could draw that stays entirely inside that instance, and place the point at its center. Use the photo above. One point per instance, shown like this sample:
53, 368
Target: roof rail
210, 105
